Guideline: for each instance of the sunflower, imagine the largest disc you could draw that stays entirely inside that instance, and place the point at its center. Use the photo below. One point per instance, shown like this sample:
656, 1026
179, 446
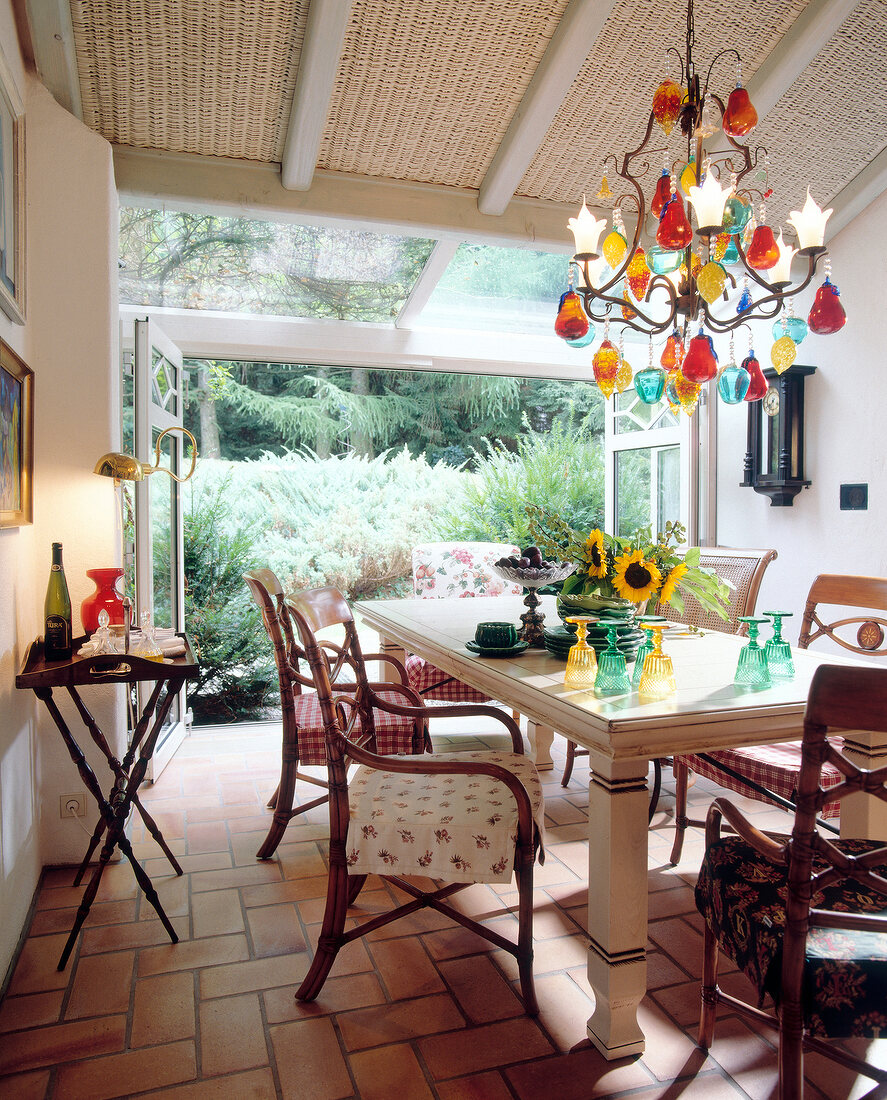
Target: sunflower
597, 556
635, 578
671, 582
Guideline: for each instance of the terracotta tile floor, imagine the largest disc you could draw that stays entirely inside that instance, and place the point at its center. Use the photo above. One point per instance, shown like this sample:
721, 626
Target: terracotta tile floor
420, 1009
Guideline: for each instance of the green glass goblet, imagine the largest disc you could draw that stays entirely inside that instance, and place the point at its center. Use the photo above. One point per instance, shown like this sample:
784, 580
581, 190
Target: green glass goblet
582, 659
779, 652
644, 649
752, 670
657, 679
612, 677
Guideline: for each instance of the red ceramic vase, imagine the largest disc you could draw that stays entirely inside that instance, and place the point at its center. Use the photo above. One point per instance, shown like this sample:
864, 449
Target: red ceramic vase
105, 596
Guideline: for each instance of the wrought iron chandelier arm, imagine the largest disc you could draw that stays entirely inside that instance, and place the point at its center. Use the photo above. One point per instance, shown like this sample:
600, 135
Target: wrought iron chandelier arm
717, 57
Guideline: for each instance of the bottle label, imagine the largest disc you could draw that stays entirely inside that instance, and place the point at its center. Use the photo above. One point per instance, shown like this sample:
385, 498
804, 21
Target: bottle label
57, 634
56, 568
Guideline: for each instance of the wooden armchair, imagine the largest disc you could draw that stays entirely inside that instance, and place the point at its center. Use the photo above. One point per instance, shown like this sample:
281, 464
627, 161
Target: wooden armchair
462, 817
769, 773
303, 732
744, 570
805, 918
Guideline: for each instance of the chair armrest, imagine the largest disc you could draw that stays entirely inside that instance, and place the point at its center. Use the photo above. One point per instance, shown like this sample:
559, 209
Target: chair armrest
388, 659
764, 845
453, 710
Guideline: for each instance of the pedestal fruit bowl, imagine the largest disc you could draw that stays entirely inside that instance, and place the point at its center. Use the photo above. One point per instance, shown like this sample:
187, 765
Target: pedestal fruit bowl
532, 571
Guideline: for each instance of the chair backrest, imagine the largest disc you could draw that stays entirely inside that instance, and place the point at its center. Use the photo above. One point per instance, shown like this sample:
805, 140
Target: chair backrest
863, 593
442, 570
744, 569
839, 698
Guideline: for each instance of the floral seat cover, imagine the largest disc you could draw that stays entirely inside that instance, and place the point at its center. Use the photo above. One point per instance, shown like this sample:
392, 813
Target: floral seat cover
443, 570
742, 898
394, 733
461, 828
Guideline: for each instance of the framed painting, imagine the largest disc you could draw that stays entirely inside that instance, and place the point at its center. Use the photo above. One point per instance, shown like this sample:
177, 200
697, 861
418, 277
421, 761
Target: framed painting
12, 197
16, 440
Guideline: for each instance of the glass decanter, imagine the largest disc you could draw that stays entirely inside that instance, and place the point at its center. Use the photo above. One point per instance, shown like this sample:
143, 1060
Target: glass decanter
752, 670
612, 677
657, 679
644, 649
582, 659
101, 640
146, 646
779, 652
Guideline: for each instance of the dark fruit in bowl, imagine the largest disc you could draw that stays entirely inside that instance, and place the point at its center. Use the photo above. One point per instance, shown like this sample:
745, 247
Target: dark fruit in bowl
531, 552
514, 561
503, 561
524, 563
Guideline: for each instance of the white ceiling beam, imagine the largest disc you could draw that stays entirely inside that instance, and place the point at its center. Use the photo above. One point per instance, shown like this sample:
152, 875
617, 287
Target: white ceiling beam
859, 193
423, 288
52, 34
209, 334
318, 63
239, 188
577, 31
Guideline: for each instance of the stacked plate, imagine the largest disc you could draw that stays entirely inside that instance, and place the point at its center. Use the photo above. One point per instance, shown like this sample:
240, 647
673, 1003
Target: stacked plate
559, 639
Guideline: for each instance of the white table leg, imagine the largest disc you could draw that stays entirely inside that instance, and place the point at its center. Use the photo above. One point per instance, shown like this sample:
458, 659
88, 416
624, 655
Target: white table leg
390, 649
617, 903
861, 814
540, 738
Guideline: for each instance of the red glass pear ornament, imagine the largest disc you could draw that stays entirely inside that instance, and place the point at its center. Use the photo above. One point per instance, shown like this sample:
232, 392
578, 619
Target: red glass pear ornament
674, 230
667, 104
763, 252
827, 314
637, 275
606, 366
673, 353
662, 194
700, 363
758, 384
571, 322
740, 117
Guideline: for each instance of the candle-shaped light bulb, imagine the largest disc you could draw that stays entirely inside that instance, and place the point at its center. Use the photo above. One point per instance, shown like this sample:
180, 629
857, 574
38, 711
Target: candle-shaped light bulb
809, 224
586, 229
708, 202
780, 272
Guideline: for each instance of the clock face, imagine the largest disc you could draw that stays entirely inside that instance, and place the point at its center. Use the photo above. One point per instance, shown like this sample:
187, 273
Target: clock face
770, 402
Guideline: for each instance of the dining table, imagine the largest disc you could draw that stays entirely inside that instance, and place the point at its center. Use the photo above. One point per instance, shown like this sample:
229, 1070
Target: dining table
622, 734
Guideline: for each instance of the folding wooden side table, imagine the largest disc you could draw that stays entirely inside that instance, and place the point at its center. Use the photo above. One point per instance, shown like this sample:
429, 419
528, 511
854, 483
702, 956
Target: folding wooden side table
168, 677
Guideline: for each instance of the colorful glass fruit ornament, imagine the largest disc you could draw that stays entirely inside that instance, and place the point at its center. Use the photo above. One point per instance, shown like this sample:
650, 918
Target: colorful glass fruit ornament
605, 365
661, 262
826, 314
783, 353
687, 392
673, 352
688, 177
571, 322
661, 194
667, 104
649, 384
671, 395
615, 243
674, 230
720, 248
737, 213
763, 252
757, 385
789, 325
740, 117
637, 274
700, 363
731, 252
625, 374
711, 281
605, 194
583, 341
745, 299
733, 381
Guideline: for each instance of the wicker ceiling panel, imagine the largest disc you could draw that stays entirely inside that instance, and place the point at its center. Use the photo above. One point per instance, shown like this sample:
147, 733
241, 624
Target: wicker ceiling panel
425, 91
214, 77
609, 104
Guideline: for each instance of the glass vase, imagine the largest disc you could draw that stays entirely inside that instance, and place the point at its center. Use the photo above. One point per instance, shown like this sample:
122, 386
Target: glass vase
106, 597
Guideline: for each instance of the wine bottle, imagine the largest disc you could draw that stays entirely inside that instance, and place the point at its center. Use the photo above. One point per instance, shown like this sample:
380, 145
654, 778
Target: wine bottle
57, 612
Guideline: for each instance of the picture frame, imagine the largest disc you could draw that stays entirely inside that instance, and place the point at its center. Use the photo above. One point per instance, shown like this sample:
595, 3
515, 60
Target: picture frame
12, 197
16, 439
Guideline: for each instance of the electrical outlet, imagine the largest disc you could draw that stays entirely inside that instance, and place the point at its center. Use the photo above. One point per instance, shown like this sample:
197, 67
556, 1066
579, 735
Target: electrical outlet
72, 805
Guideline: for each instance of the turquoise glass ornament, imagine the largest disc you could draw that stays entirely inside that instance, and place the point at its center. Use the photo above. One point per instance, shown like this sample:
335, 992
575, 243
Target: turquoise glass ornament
733, 383
795, 327
744, 303
649, 384
737, 213
582, 341
661, 261
779, 652
731, 252
612, 676
752, 670
644, 649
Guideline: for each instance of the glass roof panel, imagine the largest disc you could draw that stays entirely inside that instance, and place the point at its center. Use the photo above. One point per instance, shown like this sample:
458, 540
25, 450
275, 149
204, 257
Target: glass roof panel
498, 289
240, 265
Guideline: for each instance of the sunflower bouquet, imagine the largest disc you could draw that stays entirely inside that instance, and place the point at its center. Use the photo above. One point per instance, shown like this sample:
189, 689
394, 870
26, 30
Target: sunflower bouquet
637, 569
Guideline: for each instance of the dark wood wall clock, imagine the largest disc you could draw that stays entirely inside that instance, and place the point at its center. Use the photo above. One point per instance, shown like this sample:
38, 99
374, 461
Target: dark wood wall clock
774, 458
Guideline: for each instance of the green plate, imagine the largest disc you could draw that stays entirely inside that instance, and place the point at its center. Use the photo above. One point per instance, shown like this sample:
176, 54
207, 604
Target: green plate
509, 651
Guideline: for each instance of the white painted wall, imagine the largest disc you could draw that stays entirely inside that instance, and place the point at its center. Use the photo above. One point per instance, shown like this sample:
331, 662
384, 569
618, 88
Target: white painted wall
846, 430
69, 340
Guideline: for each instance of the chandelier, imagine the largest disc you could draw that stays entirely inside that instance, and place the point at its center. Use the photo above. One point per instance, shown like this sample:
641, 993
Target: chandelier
679, 282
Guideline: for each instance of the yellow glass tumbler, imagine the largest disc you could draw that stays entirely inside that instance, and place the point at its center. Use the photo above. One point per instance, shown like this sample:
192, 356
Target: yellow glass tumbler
657, 679
582, 659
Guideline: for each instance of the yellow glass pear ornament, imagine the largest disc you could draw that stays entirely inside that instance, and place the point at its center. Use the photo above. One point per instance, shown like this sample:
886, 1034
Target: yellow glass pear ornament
615, 248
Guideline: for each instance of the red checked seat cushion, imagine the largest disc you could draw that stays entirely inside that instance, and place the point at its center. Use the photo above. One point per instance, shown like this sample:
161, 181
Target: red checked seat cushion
394, 734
